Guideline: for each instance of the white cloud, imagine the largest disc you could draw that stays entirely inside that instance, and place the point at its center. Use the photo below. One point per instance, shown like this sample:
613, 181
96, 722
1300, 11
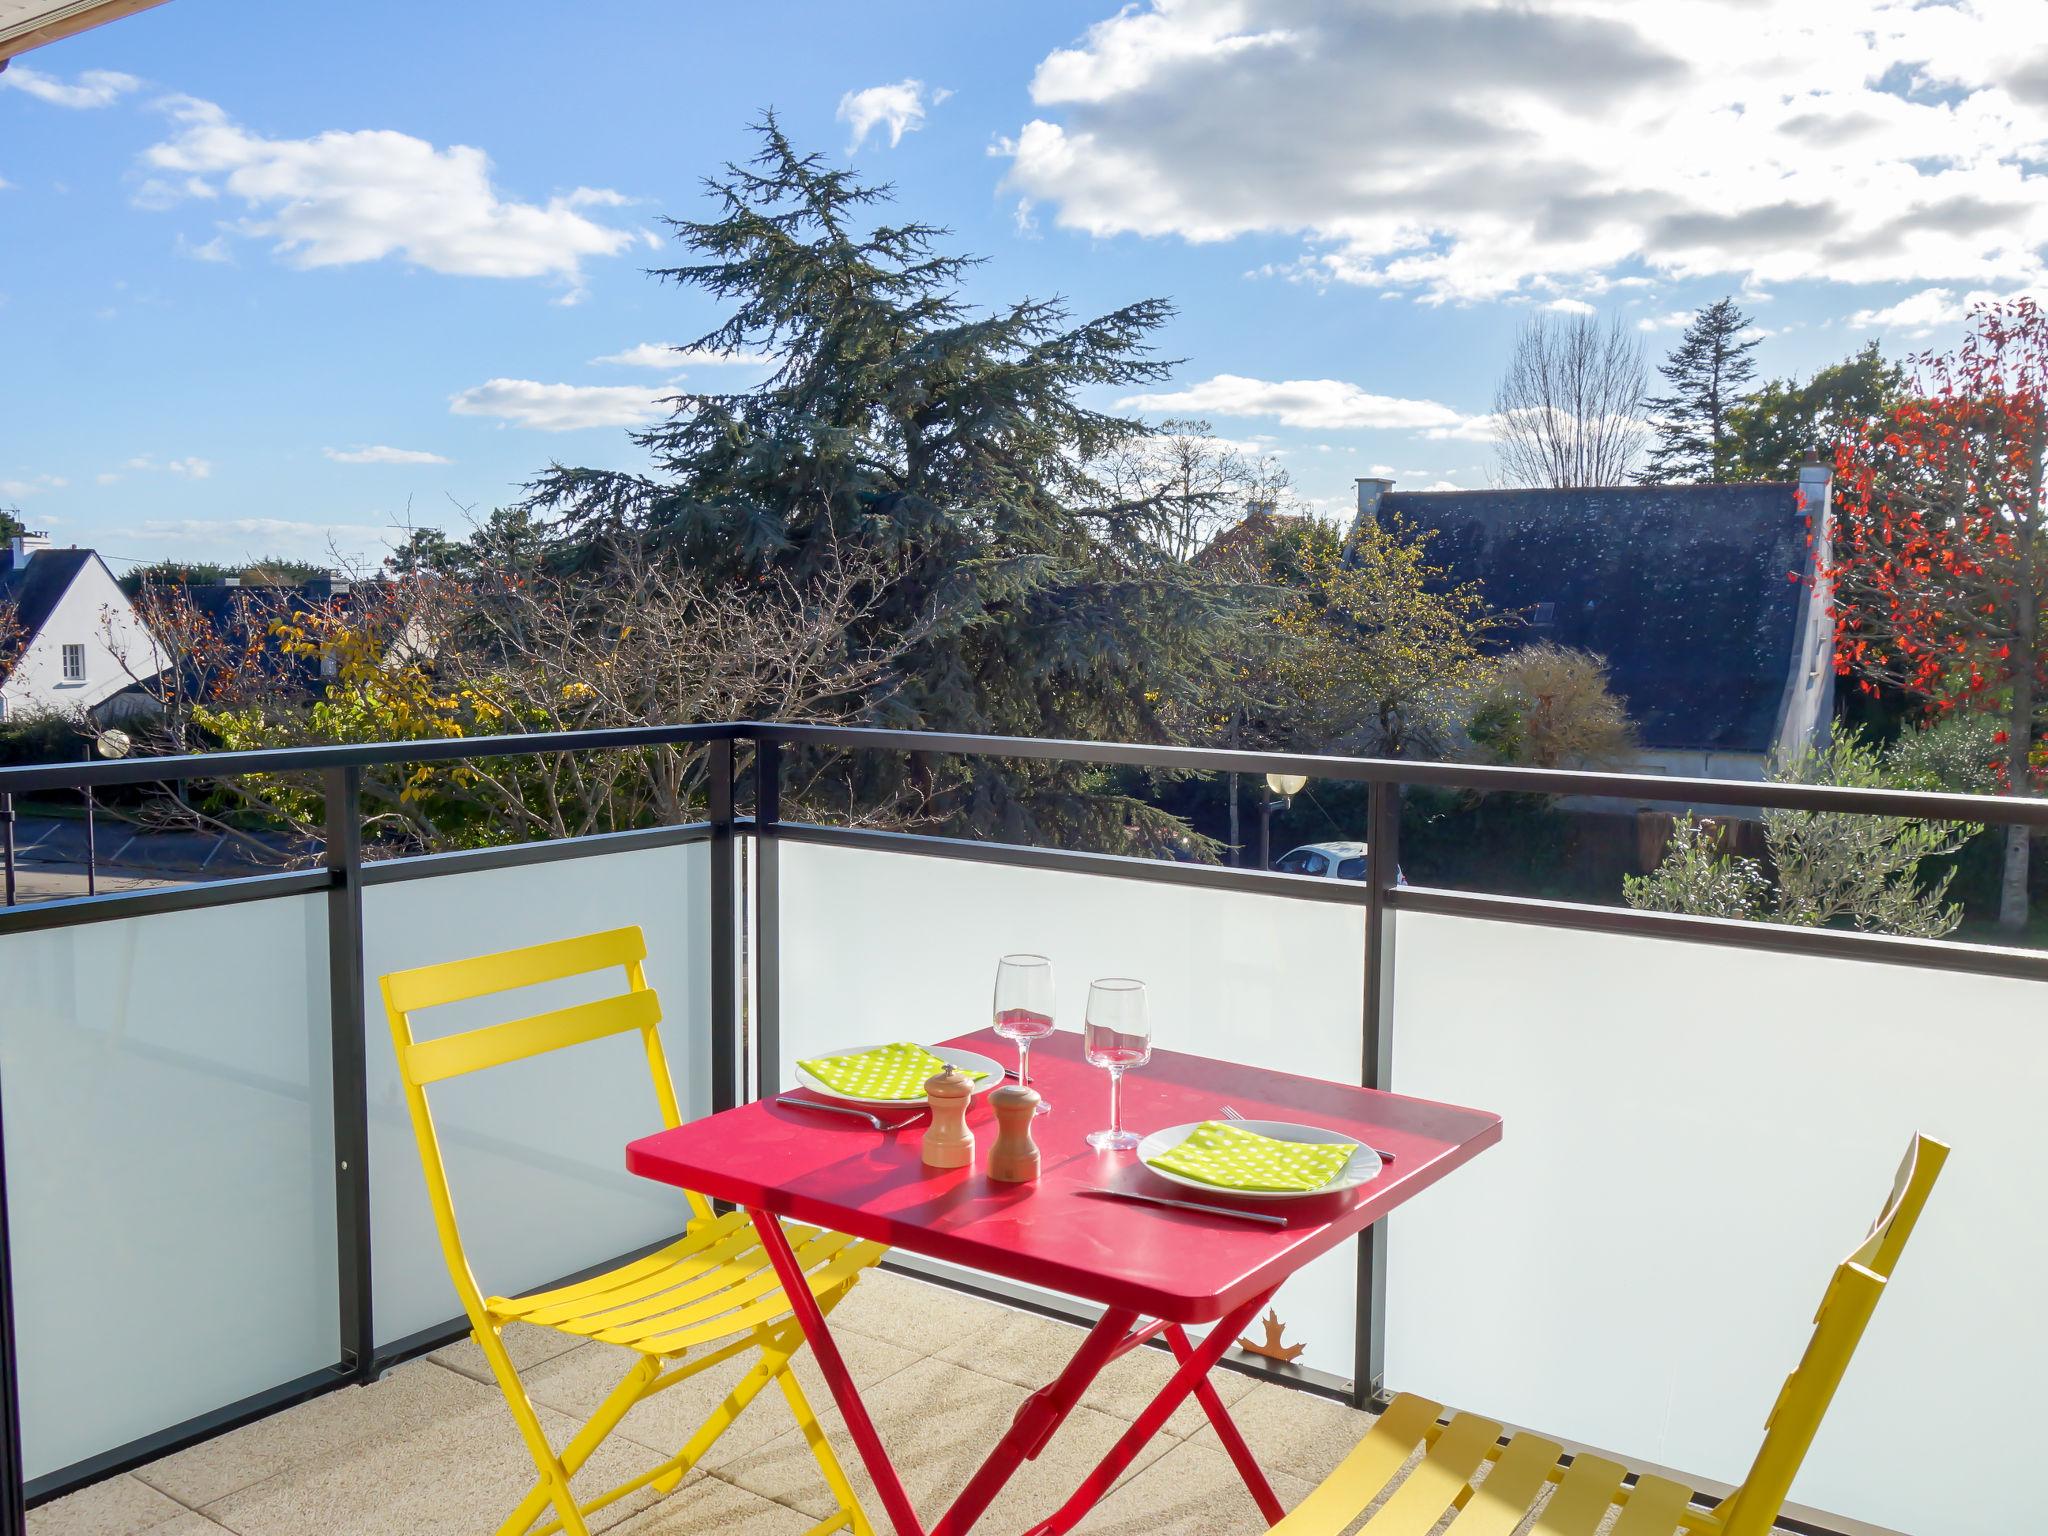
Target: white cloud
1467, 429
106, 477
559, 407
898, 108
1312, 403
338, 198
191, 467
379, 454
15, 489
92, 88
655, 354
215, 249
1670, 320
1919, 313
1570, 306
1466, 149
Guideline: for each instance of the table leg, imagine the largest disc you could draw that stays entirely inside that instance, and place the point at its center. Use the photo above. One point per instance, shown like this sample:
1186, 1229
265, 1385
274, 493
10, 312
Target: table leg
1226, 1430
796, 1287
1193, 1369
1037, 1417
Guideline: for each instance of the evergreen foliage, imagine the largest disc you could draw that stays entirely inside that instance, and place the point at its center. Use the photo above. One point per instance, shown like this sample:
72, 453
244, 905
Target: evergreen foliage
1827, 869
276, 571
1706, 372
1774, 429
950, 440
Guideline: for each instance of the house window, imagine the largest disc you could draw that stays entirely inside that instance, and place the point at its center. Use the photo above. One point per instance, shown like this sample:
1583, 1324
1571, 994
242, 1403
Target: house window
74, 663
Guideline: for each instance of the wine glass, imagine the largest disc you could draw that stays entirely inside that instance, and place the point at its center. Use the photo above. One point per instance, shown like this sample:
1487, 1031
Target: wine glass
1023, 1008
1117, 1034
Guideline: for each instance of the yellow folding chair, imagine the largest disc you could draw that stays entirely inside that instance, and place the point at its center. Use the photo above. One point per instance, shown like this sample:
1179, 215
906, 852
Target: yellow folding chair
1520, 1467
711, 1290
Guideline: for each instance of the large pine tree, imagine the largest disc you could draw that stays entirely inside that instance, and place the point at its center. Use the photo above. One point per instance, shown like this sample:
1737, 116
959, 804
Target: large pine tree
1707, 371
955, 441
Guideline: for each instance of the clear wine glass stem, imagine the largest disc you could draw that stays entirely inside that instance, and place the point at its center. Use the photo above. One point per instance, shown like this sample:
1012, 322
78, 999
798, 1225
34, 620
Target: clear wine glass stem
1116, 1101
1024, 1060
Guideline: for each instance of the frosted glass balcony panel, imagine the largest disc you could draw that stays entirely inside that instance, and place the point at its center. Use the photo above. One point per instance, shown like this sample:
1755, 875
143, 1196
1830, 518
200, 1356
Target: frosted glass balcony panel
170, 1173
880, 946
535, 1149
1694, 1136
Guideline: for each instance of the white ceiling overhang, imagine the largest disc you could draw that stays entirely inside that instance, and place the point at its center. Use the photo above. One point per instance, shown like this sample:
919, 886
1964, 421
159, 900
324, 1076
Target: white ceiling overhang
26, 24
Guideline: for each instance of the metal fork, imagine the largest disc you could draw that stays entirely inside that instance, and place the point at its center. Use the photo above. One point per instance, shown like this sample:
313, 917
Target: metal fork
847, 1109
1385, 1157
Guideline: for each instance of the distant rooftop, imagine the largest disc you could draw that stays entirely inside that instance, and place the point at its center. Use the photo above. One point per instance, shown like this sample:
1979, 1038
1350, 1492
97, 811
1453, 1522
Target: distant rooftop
1687, 590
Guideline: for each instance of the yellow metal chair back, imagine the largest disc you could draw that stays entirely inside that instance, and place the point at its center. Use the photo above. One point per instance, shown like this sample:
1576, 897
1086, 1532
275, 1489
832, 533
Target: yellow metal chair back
1414, 1498
422, 1062
1852, 1295
709, 1296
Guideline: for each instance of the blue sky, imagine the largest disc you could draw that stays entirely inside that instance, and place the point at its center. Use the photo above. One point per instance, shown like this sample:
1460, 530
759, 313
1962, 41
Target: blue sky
275, 275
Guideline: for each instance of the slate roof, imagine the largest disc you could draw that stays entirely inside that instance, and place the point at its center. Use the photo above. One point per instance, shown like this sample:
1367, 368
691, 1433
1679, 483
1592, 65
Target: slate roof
1684, 589
38, 585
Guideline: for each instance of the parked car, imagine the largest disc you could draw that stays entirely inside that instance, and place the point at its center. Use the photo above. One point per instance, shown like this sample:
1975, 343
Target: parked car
1331, 861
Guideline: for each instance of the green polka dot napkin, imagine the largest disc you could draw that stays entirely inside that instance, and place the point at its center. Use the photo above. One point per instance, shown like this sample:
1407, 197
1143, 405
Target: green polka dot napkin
887, 1072
1231, 1157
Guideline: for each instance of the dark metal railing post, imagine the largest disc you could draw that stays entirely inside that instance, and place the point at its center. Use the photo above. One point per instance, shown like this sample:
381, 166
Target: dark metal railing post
725, 1011
767, 915
350, 1070
1383, 872
92, 842
7, 843
13, 1504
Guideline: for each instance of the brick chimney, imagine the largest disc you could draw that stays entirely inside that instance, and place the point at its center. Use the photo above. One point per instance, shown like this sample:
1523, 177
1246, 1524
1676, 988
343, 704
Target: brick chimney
1369, 493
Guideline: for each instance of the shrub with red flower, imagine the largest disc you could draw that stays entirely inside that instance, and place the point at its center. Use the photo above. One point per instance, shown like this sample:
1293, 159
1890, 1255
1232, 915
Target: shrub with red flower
1939, 566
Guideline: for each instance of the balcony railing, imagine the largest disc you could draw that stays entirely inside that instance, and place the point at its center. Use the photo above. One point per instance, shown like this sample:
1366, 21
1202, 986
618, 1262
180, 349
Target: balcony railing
213, 1199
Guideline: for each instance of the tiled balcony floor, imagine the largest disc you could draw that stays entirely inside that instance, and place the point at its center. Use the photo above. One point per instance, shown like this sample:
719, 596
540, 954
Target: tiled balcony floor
430, 1449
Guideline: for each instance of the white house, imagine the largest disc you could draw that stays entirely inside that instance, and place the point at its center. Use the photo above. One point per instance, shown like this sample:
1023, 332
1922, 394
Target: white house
79, 641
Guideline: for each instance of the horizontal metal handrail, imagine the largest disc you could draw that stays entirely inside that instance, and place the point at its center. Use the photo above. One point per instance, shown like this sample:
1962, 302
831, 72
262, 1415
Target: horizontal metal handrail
175, 767
1930, 805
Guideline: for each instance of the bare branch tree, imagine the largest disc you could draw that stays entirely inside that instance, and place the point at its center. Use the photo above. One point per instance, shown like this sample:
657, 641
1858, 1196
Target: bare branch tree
1568, 410
628, 641
1186, 485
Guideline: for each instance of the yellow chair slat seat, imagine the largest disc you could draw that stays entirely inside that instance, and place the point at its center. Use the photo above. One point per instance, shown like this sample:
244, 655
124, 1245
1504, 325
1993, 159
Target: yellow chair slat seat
1416, 1471
707, 1297
709, 1285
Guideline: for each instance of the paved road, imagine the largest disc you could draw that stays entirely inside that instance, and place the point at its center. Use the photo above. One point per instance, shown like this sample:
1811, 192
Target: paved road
46, 882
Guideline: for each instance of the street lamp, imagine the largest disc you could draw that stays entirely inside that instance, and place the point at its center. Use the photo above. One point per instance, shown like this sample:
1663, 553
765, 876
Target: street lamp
1281, 788
110, 745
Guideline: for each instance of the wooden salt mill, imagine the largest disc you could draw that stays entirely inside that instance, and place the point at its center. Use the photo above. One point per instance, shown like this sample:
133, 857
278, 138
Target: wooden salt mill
1014, 1157
949, 1143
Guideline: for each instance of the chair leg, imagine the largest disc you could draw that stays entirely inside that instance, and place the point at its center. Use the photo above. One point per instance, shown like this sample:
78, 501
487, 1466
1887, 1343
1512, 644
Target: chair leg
553, 1486
823, 1454
618, 1402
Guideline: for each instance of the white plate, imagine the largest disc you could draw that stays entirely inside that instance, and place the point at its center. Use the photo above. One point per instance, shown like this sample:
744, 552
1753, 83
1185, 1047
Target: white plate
1362, 1169
967, 1061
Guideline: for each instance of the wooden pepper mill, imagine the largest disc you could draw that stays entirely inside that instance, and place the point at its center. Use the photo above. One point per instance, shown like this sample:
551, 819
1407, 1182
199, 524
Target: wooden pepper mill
949, 1143
1014, 1157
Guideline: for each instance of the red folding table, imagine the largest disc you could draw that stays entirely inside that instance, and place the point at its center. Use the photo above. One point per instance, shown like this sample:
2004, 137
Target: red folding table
1137, 1262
